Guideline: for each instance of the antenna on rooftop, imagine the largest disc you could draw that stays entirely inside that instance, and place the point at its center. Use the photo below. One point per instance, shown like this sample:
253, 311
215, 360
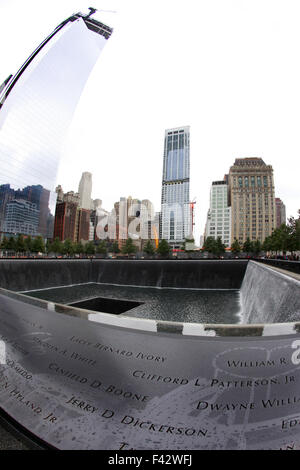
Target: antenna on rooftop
93, 10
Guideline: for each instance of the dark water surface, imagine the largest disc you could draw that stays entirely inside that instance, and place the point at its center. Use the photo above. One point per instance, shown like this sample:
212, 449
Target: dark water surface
180, 305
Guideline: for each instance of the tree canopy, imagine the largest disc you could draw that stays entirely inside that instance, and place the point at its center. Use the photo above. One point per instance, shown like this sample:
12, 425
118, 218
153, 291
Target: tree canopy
285, 238
129, 247
235, 247
214, 246
163, 248
149, 249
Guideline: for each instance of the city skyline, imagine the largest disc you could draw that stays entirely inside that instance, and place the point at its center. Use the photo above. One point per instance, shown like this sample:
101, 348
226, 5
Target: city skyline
241, 94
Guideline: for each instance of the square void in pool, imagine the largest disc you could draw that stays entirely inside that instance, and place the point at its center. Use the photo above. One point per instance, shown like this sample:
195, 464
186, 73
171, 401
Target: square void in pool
105, 305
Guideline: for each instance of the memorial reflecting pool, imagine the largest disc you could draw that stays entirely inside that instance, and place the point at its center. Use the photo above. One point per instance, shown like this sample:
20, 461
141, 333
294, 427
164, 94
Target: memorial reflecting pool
221, 373
178, 305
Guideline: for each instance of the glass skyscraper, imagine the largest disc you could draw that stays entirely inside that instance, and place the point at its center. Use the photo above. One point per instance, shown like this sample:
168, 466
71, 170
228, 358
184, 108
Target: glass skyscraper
36, 108
175, 198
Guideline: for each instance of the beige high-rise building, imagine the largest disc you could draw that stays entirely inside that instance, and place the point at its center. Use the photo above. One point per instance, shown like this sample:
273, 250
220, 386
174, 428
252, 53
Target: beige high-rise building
135, 219
252, 199
85, 191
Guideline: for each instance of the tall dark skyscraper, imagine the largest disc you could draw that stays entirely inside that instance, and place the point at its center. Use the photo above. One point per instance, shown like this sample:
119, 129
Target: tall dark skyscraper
175, 198
280, 212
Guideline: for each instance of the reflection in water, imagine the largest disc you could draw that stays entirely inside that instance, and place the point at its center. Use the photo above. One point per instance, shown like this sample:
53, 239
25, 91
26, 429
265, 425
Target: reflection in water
25, 211
37, 105
178, 305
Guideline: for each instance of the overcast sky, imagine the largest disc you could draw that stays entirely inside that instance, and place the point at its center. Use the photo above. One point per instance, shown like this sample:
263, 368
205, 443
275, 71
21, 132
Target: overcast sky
229, 69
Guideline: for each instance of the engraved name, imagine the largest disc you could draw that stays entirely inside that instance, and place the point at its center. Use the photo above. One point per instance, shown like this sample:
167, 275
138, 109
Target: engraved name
140, 374
145, 356
31, 405
270, 403
244, 383
81, 404
268, 363
163, 428
205, 405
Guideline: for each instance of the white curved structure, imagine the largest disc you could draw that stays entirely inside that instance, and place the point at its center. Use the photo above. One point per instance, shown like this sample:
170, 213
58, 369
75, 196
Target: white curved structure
37, 105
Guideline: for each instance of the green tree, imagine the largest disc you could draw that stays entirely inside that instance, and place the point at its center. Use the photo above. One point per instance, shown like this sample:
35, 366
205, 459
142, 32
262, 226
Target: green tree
209, 245
78, 248
47, 246
219, 248
279, 239
257, 247
28, 244
163, 248
235, 247
115, 247
11, 244
248, 246
101, 247
267, 244
4, 243
89, 248
56, 246
149, 249
20, 244
38, 245
294, 233
68, 247
284, 238
129, 247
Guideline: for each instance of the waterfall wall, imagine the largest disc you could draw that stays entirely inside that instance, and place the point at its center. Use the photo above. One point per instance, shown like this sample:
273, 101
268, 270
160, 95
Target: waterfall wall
22, 275
268, 296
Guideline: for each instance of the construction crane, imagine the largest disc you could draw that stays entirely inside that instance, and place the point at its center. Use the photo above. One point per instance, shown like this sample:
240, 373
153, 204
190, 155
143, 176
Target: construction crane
93, 10
192, 204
